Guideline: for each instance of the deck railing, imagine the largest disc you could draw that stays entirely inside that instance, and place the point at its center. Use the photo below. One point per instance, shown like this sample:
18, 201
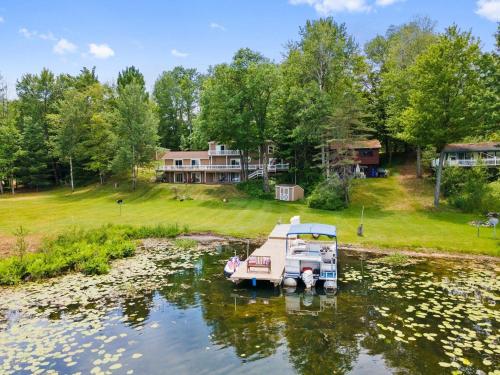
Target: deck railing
223, 167
489, 162
223, 152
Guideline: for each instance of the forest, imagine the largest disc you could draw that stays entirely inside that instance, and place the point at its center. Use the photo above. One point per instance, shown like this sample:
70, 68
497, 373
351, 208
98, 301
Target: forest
413, 88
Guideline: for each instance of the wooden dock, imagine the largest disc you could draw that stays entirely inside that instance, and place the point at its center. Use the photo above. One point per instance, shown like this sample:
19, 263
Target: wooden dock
274, 248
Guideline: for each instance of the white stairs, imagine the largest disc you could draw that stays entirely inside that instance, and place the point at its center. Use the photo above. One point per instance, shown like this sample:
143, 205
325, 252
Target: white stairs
256, 174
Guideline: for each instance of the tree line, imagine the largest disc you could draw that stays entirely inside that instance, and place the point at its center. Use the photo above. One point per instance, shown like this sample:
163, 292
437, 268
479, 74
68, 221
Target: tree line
412, 88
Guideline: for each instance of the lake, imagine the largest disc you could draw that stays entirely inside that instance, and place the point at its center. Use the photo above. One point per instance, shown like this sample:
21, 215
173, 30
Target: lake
170, 311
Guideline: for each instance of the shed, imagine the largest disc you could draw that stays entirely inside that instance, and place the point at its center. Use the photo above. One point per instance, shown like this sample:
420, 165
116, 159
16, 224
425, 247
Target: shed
285, 192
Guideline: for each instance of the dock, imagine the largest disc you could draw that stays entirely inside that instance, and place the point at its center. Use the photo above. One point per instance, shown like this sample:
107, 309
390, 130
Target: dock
274, 248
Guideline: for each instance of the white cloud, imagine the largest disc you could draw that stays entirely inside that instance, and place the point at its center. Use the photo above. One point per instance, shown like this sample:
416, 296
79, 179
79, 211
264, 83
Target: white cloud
64, 46
384, 3
177, 53
215, 25
325, 7
100, 51
26, 33
489, 9
29, 34
47, 36
2, 20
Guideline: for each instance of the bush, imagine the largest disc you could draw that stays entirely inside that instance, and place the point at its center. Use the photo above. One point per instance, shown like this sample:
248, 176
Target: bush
327, 195
467, 188
88, 251
253, 188
185, 244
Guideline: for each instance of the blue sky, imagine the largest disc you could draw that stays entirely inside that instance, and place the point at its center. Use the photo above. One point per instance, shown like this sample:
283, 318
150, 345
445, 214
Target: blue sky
158, 35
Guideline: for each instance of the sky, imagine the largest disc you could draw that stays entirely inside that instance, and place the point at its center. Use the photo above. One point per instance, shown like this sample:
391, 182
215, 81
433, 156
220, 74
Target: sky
157, 35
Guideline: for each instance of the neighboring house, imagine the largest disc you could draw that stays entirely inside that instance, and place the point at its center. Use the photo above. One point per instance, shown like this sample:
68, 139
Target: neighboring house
366, 155
470, 155
217, 165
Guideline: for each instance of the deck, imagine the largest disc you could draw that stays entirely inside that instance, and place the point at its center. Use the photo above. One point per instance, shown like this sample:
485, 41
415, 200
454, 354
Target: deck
274, 248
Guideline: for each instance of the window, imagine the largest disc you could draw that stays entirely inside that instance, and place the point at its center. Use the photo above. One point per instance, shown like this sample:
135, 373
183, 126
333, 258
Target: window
366, 153
235, 161
271, 149
178, 163
195, 161
179, 177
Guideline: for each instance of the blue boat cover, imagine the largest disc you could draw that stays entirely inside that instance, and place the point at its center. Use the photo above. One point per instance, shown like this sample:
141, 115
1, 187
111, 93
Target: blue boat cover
313, 228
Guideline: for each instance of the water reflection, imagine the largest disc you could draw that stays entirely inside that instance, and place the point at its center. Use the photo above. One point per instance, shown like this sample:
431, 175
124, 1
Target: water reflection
180, 314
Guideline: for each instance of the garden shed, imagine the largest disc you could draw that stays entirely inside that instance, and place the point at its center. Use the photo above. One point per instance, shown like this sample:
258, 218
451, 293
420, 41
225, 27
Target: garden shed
285, 192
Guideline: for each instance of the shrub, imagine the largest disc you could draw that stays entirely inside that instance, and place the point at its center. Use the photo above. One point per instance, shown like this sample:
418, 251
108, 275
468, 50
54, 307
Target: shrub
185, 243
467, 188
88, 251
97, 265
253, 188
327, 195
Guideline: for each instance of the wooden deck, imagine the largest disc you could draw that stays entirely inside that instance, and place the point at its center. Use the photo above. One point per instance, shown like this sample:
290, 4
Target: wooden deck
274, 248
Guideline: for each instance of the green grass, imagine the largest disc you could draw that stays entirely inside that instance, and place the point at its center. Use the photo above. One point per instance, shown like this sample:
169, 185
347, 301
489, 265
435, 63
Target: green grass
88, 251
397, 214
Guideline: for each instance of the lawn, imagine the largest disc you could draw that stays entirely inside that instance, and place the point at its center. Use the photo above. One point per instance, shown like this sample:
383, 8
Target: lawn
397, 214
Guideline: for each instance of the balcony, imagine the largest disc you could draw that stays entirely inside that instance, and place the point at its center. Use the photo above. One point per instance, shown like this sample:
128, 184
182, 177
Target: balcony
488, 162
222, 167
223, 152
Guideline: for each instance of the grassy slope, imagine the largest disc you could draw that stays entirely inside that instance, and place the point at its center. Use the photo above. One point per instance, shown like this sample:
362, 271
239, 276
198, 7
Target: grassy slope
396, 214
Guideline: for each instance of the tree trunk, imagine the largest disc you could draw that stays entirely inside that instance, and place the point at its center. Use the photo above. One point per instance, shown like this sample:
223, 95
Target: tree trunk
323, 159
12, 185
133, 168
242, 166
101, 178
390, 149
419, 162
71, 174
1, 186
265, 172
438, 179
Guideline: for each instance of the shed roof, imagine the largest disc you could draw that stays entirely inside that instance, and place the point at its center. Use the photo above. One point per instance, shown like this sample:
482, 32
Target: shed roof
185, 155
313, 228
355, 145
481, 146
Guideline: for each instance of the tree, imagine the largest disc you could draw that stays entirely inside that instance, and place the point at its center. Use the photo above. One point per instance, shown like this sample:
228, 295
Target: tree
225, 115
261, 85
236, 101
10, 147
128, 76
321, 67
136, 130
99, 145
177, 94
445, 81
346, 127
392, 57
38, 96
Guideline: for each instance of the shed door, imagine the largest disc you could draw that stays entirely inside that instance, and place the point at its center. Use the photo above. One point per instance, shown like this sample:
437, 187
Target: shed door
284, 193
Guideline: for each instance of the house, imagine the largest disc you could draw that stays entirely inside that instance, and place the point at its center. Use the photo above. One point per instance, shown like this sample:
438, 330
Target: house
217, 165
470, 155
366, 155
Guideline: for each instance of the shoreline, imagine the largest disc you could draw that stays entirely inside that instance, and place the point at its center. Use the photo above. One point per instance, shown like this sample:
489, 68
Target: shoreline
209, 237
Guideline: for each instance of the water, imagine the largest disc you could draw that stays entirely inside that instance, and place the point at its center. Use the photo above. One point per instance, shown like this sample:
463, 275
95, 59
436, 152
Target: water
172, 312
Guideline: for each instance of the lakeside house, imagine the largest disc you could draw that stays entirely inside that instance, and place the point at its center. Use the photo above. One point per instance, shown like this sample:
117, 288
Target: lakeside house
470, 155
217, 165
366, 154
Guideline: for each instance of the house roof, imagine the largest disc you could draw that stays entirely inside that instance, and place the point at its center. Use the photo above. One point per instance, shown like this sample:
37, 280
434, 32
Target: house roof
313, 228
481, 146
371, 143
185, 155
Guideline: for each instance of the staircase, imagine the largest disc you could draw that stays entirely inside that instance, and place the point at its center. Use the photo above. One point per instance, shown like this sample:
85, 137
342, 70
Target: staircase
255, 174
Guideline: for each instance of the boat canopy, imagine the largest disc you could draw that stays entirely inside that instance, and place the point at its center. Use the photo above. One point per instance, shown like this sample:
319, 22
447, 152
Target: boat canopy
313, 228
